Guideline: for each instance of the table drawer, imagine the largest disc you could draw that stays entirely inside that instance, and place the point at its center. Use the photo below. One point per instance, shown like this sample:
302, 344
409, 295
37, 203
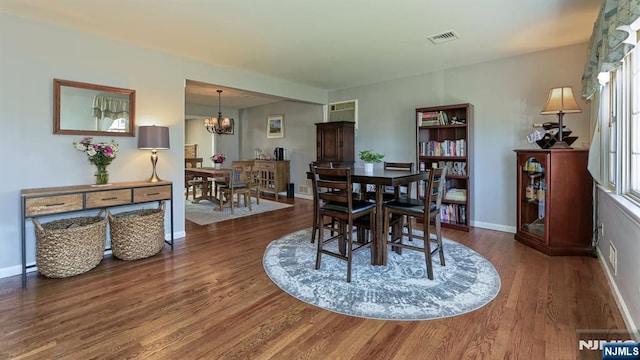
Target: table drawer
108, 198
53, 204
152, 193
264, 166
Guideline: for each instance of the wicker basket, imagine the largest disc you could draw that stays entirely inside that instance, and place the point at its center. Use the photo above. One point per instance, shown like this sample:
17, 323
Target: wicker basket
137, 234
70, 246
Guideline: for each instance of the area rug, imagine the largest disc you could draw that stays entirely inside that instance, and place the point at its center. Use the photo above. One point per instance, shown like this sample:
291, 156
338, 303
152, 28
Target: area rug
398, 291
205, 212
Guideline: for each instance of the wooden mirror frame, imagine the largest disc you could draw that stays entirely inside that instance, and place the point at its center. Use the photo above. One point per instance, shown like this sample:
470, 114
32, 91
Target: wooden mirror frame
57, 100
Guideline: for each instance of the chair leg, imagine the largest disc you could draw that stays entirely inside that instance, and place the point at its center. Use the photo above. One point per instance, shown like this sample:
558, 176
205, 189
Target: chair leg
349, 249
319, 251
427, 250
439, 239
315, 222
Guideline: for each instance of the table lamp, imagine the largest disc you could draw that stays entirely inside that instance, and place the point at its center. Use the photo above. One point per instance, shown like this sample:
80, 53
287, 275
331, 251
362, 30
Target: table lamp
561, 101
154, 138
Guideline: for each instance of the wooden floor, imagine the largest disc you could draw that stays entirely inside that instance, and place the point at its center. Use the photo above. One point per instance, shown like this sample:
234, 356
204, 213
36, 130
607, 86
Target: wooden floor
211, 299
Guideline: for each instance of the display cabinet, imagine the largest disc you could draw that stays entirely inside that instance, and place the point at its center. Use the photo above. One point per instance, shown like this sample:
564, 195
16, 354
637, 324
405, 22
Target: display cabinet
444, 139
554, 201
335, 143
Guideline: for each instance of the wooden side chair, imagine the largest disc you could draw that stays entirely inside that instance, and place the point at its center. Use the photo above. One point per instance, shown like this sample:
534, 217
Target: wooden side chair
425, 210
316, 206
332, 187
192, 183
254, 176
237, 185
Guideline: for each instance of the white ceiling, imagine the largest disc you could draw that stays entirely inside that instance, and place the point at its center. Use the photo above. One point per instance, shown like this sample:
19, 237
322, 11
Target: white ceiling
328, 44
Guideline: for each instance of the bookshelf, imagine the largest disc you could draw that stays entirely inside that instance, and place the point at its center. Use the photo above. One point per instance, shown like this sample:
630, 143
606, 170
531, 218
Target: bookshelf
443, 139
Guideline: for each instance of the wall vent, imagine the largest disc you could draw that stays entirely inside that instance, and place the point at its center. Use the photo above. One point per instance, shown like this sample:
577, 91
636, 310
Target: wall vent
443, 37
344, 111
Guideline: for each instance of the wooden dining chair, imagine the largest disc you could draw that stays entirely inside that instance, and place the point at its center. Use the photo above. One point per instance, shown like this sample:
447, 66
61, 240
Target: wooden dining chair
253, 176
425, 210
237, 185
333, 189
316, 206
192, 183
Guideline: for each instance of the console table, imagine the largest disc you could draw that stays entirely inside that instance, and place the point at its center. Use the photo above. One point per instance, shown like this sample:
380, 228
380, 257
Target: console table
274, 175
66, 199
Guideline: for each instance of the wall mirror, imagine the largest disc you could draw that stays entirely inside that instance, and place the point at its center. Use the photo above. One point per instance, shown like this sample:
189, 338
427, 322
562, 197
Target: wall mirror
89, 109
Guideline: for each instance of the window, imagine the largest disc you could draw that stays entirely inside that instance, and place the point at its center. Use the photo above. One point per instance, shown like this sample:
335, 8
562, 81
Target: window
634, 127
621, 107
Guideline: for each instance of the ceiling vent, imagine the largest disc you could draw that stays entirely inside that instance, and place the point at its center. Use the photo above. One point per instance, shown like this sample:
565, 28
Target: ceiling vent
443, 37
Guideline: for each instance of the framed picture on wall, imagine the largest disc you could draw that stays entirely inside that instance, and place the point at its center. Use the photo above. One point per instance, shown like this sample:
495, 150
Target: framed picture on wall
275, 126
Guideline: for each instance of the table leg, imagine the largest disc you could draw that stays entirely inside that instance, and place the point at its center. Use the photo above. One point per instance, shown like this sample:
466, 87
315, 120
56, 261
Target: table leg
380, 240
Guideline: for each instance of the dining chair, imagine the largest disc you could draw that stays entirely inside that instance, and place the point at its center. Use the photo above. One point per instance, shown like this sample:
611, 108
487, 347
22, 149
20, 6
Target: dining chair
424, 210
316, 206
192, 183
237, 185
332, 187
253, 176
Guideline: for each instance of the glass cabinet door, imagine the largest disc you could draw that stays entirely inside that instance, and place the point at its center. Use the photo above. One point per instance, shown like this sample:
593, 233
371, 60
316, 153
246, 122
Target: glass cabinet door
532, 198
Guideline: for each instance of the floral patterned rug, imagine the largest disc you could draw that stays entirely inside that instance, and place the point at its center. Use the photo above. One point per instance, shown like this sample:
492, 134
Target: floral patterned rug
206, 212
398, 291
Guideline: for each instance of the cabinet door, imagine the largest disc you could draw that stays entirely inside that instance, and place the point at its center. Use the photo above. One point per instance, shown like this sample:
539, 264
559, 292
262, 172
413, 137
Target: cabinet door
532, 196
334, 142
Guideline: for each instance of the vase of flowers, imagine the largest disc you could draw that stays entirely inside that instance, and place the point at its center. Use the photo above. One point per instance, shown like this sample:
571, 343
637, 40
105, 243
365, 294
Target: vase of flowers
218, 159
100, 155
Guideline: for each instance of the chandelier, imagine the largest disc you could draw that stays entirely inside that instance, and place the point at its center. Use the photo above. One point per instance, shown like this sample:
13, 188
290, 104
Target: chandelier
219, 125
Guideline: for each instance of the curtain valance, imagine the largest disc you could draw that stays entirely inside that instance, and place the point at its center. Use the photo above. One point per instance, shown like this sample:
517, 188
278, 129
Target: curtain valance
611, 40
110, 107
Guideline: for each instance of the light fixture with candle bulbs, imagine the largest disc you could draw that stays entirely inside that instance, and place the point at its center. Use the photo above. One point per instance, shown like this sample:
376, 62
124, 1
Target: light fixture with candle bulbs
219, 125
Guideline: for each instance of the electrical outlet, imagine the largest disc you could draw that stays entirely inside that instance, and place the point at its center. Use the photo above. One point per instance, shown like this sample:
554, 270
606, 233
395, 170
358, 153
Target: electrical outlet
602, 230
613, 258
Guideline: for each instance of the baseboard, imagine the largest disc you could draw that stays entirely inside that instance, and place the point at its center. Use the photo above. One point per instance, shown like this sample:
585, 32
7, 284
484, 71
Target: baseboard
631, 326
491, 226
17, 269
303, 196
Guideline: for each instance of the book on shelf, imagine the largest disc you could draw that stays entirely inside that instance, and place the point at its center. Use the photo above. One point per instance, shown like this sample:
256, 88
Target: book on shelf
446, 148
454, 194
454, 214
431, 118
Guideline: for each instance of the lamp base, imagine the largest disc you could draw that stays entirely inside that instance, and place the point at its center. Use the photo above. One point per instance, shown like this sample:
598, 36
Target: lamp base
154, 160
560, 145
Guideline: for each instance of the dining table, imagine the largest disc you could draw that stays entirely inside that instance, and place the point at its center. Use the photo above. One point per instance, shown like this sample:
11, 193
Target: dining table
382, 178
216, 174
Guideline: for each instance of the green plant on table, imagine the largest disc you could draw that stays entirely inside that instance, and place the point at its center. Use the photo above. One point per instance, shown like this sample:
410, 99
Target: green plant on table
369, 156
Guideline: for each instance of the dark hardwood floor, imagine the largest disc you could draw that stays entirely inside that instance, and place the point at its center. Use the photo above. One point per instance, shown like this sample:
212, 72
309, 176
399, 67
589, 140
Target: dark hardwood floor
211, 299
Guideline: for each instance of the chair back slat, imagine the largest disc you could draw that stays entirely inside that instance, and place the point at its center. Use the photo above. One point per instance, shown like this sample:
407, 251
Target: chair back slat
435, 190
333, 184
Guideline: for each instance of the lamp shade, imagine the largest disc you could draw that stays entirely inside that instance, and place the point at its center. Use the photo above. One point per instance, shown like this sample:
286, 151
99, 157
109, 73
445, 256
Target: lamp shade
561, 100
153, 137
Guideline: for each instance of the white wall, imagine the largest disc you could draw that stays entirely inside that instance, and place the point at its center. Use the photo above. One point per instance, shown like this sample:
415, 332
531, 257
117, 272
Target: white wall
32, 54
622, 229
299, 136
507, 96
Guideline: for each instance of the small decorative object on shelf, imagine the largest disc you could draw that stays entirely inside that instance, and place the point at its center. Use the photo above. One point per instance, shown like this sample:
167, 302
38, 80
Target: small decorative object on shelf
218, 159
100, 155
369, 157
